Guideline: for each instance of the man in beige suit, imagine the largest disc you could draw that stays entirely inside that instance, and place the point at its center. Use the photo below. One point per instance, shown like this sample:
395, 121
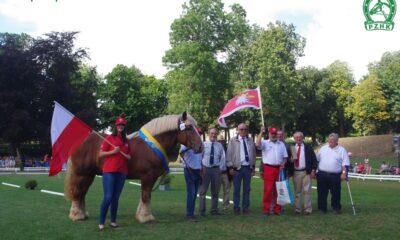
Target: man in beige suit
241, 160
305, 164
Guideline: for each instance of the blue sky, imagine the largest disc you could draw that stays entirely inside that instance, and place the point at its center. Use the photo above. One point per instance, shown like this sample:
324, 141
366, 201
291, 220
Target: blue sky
300, 20
10, 24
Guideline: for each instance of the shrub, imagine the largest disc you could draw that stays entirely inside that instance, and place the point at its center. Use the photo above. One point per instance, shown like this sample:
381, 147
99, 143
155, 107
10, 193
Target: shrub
31, 184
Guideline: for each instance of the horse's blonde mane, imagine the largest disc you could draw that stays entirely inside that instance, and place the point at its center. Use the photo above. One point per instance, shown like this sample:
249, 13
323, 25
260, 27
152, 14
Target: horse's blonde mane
164, 124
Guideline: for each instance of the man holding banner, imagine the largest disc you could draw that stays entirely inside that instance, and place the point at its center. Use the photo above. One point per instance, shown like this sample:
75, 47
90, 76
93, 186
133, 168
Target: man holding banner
274, 157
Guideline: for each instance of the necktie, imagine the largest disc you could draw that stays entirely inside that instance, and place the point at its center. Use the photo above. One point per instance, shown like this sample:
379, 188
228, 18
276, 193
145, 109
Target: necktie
212, 155
298, 156
246, 154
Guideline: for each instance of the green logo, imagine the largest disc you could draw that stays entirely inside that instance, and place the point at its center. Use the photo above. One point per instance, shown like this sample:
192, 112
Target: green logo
379, 14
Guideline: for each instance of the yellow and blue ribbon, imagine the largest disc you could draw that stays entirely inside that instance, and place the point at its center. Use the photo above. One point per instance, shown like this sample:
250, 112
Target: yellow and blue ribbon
155, 145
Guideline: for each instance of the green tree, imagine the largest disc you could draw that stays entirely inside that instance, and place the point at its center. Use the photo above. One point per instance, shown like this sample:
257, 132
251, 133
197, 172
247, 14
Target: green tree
316, 105
387, 71
202, 40
337, 83
33, 73
270, 63
127, 92
369, 109
18, 89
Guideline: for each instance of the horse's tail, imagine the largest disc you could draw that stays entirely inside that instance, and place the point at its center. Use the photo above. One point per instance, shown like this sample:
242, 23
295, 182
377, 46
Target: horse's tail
82, 167
67, 181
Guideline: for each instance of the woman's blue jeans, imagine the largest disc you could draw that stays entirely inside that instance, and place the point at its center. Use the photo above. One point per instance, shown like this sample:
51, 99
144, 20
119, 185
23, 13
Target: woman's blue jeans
113, 183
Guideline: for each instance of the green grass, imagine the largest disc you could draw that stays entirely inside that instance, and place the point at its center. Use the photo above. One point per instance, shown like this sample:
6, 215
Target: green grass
30, 214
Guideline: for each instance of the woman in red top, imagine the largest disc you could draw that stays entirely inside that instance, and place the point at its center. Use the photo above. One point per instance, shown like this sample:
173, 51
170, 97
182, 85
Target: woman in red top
115, 169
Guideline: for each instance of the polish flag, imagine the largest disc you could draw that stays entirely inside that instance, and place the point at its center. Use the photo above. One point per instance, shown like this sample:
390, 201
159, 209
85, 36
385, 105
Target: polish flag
67, 133
248, 99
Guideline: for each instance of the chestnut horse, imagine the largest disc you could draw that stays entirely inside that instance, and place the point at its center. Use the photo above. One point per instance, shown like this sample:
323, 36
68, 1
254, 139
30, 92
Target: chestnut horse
144, 164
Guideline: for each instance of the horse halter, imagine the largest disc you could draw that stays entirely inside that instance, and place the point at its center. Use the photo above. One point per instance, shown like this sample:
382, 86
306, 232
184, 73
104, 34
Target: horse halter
183, 127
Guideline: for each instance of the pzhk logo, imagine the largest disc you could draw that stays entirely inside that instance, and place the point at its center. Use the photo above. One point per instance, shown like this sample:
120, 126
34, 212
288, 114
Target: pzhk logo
379, 14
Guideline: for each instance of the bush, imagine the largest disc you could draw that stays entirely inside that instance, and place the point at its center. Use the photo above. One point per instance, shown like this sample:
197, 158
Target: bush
31, 184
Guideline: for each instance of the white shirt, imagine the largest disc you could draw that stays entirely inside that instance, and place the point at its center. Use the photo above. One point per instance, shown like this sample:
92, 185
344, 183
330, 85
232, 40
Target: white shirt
242, 153
273, 153
332, 159
302, 157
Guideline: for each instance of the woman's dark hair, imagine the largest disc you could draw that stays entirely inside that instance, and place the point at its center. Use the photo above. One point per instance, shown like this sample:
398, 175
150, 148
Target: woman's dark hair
123, 134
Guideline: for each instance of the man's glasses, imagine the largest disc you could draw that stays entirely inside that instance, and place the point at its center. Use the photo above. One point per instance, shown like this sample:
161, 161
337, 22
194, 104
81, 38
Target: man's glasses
242, 129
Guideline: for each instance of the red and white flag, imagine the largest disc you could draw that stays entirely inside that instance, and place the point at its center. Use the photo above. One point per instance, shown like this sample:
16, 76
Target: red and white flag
248, 99
67, 133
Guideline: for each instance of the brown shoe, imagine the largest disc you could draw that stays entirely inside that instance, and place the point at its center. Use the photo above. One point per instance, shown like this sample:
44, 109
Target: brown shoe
236, 211
246, 211
306, 213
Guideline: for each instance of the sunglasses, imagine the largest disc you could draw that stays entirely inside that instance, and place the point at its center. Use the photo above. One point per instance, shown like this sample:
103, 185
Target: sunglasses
242, 129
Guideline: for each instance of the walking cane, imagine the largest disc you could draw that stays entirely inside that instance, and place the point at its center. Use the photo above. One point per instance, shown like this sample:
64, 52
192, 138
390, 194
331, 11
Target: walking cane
348, 187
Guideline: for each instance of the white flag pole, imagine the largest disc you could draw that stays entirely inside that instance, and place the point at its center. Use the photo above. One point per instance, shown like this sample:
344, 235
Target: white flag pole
262, 114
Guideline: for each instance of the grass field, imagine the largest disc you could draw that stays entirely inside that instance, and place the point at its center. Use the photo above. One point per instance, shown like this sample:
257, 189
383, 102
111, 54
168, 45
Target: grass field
31, 214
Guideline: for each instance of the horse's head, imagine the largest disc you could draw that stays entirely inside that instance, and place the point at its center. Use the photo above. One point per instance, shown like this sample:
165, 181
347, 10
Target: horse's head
188, 135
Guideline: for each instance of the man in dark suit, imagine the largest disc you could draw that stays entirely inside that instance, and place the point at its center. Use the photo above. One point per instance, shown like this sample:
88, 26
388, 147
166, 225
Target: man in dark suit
304, 166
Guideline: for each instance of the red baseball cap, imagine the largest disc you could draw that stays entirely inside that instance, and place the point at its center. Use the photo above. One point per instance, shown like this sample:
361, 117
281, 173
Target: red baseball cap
120, 120
199, 130
273, 130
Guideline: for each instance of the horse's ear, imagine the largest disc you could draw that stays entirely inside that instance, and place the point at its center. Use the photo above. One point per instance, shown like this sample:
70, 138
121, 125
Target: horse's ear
184, 116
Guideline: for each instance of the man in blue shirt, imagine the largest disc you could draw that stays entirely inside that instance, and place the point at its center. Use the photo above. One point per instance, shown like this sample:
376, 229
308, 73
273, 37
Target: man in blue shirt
192, 166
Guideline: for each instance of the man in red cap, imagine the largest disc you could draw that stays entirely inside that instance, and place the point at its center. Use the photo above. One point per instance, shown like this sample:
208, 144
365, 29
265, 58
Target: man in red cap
274, 157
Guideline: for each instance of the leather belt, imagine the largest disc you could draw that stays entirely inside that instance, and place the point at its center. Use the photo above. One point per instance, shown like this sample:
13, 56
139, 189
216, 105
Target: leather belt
300, 170
328, 173
192, 169
213, 167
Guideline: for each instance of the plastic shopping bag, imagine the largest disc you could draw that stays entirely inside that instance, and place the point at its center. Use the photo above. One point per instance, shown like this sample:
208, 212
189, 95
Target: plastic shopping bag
285, 196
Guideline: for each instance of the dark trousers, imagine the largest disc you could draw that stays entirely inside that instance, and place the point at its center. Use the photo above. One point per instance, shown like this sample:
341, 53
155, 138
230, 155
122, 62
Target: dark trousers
213, 176
242, 175
328, 182
113, 183
192, 178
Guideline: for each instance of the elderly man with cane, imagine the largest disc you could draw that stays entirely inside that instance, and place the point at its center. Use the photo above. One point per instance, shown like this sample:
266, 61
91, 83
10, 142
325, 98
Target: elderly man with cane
332, 161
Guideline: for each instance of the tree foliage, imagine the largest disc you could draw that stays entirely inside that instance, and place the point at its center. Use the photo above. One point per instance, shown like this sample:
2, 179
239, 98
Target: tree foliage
270, 63
387, 71
127, 92
369, 108
33, 73
337, 83
315, 105
201, 40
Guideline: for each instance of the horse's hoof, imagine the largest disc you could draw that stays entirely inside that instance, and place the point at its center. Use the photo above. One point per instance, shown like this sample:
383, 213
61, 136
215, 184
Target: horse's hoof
145, 219
76, 217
